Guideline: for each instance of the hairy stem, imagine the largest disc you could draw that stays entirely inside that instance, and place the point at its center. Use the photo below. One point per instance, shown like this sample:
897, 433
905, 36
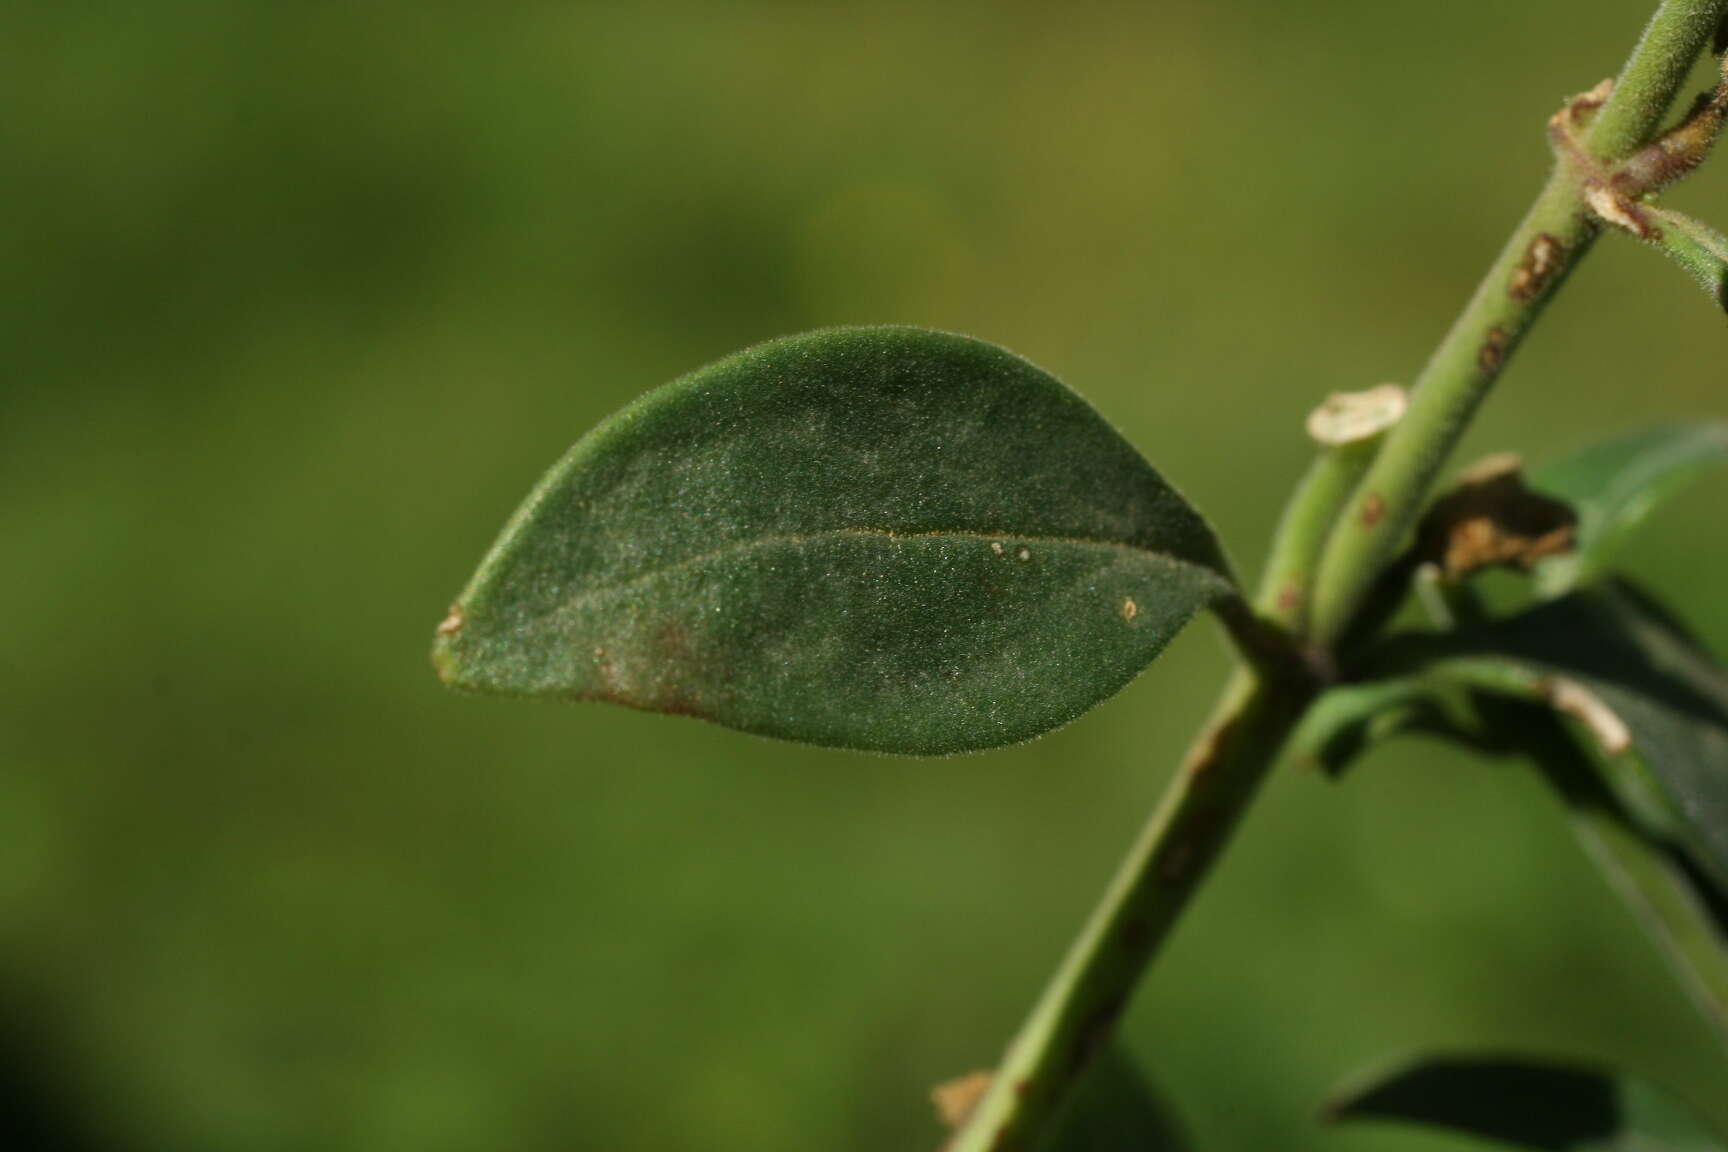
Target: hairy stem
1671, 44
1077, 1014
1553, 237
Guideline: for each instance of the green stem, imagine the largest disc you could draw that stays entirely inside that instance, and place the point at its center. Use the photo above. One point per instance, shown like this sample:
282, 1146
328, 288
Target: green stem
1553, 237
1078, 1011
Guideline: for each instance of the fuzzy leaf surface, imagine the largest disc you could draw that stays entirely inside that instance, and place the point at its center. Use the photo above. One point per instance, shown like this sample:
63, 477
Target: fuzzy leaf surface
1615, 484
1526, 1103
879, 538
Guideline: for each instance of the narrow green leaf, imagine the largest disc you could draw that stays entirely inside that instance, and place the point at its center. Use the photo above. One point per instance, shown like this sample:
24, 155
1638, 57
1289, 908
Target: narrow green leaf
1695, 246
1672, 900
1348, 719
1613, 485
1676, 908
1652, 701
1557, 1107
878, 538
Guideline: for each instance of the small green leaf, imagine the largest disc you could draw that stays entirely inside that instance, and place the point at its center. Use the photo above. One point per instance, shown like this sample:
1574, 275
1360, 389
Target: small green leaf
1613, 485
1653, 702
1557, 1107
879, 538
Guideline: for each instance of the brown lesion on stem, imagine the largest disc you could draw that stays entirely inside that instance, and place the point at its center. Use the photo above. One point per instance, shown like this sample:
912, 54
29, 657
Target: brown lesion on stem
1623, 212
1578, 112
1491, 357
1542, 263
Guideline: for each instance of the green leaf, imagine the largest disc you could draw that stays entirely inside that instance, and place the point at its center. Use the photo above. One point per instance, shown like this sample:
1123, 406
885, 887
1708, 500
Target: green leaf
1527, 1104
1653, 702
1613, 485
878, 538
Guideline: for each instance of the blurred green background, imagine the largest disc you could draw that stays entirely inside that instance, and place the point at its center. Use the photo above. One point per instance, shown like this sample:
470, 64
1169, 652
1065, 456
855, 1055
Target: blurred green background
299, 301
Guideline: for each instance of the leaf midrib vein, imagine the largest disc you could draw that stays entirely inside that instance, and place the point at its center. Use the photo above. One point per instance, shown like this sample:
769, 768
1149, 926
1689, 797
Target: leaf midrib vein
1006, 539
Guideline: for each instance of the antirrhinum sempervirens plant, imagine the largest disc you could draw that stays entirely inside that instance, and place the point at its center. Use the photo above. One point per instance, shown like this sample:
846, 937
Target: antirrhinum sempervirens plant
913, 542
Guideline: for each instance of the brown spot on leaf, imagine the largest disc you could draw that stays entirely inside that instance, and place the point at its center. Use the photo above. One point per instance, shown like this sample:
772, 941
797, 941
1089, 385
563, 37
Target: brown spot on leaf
1290, 597
608, 669
1542, 262
1373, 509
1129, 610
675, 689
452, 623
956, 1099
1602, 722
1492, 520
657, 676
1491, 357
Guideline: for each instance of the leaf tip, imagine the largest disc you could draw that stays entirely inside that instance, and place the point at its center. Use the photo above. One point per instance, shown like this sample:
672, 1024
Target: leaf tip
444, 661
